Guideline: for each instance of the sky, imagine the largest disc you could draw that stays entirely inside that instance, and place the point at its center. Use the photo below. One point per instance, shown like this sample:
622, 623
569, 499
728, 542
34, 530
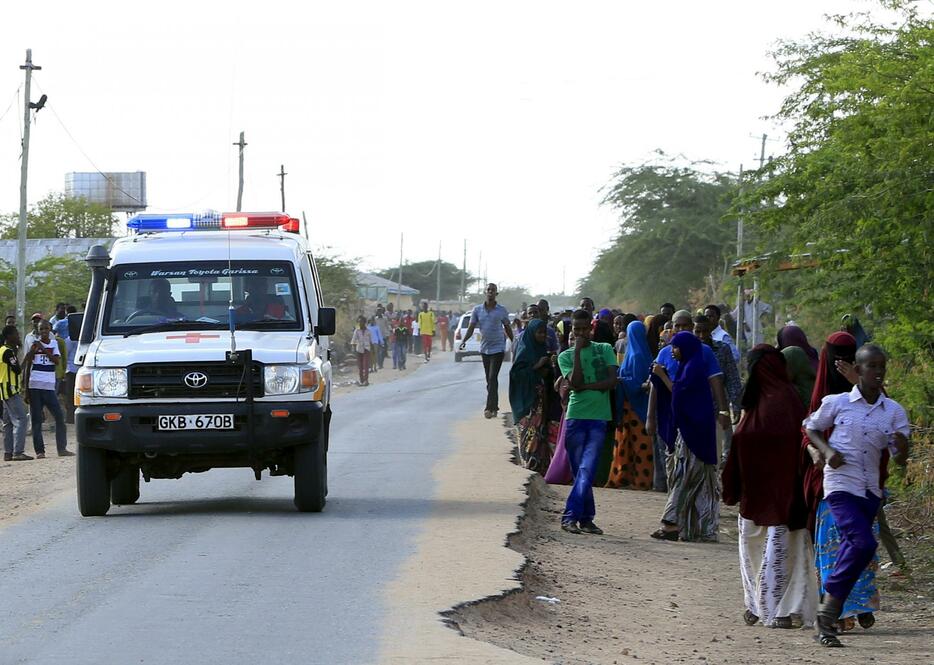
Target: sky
434, 122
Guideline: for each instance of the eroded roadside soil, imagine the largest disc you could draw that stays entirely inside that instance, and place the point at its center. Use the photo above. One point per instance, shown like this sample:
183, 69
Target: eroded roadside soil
624, 597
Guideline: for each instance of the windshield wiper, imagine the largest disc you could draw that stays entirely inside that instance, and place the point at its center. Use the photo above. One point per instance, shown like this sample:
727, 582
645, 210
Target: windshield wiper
171, 325
265, 323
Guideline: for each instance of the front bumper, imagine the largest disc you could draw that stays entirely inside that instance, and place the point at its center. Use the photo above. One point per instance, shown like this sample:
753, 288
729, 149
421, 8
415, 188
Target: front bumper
135, 431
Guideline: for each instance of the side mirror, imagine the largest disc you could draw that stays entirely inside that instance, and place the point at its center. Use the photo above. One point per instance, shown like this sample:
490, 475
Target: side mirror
327, 321
75, 319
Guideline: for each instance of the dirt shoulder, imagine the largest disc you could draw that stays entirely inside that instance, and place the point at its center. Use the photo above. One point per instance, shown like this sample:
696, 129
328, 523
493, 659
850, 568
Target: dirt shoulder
625, 597
345, 375
25, 487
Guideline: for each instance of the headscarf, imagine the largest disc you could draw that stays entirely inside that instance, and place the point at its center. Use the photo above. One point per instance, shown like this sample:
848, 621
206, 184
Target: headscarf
794, 336
653, 326
762, 469
634, 371
839, 346
523, 380
801, 373
692, 401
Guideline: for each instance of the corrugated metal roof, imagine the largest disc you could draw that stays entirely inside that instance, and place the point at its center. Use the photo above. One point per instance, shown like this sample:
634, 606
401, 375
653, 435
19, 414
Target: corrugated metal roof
369, 279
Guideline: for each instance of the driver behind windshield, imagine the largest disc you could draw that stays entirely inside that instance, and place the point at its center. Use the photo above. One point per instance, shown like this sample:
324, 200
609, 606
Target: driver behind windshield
161, 301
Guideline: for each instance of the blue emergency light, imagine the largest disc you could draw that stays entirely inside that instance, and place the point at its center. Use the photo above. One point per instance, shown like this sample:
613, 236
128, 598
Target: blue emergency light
212, 221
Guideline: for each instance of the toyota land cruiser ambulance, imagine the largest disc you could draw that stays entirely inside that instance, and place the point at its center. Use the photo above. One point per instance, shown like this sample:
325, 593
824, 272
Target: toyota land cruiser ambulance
204, 344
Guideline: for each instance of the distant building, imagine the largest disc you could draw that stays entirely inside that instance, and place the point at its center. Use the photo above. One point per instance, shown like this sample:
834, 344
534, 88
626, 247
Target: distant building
40, 248
374, 290
121, 192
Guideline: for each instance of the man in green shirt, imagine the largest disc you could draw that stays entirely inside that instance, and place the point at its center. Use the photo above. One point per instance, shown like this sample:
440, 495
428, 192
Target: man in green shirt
590, 367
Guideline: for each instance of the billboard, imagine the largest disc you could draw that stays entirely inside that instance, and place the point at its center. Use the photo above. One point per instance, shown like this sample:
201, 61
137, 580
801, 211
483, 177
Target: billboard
121, 192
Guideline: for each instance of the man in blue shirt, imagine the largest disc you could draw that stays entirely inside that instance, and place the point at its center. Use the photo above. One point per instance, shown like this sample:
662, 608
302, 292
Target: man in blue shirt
493, 321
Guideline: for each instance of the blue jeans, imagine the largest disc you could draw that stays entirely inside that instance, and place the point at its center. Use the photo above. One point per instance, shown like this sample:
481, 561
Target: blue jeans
14, 425
583, 441
46, 399
398, 354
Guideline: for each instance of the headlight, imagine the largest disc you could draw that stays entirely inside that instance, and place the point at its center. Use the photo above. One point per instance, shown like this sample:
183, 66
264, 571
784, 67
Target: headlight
281, 379
110, 382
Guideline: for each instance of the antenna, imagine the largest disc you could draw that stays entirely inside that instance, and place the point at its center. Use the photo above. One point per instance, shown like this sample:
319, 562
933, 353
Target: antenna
231, 312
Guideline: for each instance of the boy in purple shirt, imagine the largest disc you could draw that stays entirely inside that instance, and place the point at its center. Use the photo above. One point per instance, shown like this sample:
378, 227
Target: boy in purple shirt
865, 422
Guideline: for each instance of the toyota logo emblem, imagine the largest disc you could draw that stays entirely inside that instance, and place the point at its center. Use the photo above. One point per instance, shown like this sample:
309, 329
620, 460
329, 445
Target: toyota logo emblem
196, 380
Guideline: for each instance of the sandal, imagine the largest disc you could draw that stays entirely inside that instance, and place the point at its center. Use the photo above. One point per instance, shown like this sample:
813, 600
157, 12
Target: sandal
749, 618
867, 620
782, 622
828, 640
664, 534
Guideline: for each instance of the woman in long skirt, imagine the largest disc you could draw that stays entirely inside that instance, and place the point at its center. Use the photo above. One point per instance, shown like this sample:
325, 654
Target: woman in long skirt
693, 508
535, 407
762, 475
633, 459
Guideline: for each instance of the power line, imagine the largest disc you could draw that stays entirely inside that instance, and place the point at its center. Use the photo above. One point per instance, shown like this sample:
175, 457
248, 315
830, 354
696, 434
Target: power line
13, 100
86, 156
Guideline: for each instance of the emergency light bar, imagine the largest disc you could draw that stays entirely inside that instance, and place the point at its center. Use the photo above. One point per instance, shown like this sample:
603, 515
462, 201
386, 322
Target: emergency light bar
212, 221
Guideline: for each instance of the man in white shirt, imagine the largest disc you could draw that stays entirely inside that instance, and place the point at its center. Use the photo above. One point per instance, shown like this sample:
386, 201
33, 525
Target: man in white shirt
752, 311
42, 357
712, 312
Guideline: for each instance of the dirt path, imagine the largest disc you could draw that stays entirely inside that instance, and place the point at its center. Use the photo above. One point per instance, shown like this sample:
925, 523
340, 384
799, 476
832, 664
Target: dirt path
624, 597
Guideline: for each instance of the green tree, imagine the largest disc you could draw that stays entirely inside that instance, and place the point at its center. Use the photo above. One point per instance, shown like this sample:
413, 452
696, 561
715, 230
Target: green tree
672, 235
854, 188
57, 216
423, 276
49, 280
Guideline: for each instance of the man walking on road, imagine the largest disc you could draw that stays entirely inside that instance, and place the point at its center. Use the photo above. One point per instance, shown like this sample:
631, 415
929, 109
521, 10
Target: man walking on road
426, 328
493, 320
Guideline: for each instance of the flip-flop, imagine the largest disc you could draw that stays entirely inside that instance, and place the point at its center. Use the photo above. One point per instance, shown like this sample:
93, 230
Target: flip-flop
866, 620
662, 534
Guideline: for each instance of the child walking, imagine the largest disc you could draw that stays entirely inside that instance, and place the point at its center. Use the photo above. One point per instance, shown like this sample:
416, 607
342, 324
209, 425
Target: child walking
865, 422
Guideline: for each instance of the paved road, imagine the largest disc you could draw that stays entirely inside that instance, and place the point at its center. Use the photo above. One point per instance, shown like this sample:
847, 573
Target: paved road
219, 568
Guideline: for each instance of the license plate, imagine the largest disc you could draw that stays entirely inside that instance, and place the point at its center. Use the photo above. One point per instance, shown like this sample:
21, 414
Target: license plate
197, 422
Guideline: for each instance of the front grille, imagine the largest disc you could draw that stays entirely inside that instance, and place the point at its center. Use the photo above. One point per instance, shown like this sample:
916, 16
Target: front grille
167, 380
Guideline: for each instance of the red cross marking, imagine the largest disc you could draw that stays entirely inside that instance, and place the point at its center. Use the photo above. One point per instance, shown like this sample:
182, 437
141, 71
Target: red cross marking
193, 338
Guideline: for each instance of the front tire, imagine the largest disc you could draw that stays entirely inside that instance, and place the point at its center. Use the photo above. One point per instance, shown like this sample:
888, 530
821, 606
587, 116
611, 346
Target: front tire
310, 470
124, 488
93, 486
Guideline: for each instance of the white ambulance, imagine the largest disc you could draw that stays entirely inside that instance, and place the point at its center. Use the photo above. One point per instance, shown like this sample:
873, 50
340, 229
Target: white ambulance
204, 344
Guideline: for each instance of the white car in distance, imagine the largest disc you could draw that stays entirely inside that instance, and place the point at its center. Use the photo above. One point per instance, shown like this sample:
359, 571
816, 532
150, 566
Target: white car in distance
473, 344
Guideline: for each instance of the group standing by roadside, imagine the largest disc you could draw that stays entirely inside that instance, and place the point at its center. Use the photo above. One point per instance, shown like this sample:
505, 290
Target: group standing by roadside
655, 407
37, 375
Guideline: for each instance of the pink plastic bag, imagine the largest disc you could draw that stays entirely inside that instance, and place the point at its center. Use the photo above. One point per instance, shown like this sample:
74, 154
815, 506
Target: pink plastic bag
559, 471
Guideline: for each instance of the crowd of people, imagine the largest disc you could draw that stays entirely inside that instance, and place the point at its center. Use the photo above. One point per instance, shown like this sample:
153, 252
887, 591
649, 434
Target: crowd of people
603, 398
37, 375
397, 334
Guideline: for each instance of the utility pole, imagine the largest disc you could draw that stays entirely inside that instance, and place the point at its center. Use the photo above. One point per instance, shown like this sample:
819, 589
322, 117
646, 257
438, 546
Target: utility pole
464, 276
282, 175
304, 224
762, 153
438, 288
480, 284
21, 230
242, 145
399, 283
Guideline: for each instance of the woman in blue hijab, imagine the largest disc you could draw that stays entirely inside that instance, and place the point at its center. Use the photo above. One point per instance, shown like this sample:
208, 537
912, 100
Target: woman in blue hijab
535, 407
633, 459
693, 508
